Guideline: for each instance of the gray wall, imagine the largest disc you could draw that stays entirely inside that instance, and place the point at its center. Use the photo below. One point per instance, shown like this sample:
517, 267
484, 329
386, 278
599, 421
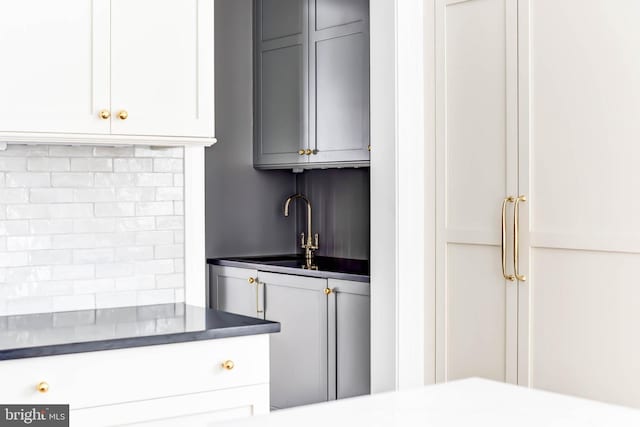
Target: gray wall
244, 206
340, 201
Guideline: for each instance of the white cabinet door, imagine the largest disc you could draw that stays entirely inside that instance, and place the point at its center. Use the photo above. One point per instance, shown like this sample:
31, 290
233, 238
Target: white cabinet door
476, 148
54, 66
579, 133
162, 67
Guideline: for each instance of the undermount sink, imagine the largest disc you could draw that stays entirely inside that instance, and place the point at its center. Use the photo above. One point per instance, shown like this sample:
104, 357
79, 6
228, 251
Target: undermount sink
320, 263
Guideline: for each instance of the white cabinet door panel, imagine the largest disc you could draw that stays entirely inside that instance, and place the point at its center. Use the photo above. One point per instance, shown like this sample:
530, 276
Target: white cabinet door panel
162, 67
476, 149
579, 156
54, 75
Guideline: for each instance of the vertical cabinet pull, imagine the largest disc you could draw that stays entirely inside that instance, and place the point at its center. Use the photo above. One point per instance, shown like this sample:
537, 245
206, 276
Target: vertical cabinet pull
516, 242
503, 247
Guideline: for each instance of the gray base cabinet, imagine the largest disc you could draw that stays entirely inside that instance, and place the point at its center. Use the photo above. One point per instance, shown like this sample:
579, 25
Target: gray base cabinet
311, 83
323, 350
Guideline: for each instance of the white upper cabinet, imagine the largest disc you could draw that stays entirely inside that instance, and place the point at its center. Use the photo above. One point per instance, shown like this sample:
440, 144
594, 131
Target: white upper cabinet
54, 76
107, 71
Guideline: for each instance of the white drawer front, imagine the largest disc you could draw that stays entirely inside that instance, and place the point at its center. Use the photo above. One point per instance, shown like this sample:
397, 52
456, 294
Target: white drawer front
114, 376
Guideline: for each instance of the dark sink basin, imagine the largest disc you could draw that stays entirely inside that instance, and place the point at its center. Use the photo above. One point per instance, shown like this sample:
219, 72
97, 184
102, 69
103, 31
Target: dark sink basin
320, 263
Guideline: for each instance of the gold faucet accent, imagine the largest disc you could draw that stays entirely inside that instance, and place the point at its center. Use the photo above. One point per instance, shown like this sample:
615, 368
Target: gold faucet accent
307, 244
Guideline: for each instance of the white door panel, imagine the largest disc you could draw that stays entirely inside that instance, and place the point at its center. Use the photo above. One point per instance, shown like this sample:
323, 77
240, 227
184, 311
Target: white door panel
476, 169
162, 67
54, 66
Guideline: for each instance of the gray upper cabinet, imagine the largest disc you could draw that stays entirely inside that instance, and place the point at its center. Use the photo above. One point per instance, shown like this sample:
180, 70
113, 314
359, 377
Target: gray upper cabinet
311, 83
281, 82
339, 64
299, 353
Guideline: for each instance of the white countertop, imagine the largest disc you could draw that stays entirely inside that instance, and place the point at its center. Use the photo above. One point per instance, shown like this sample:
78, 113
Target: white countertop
472, 402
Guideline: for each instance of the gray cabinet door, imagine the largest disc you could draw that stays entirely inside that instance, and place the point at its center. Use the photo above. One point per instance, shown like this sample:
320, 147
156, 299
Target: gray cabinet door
299, 352
281, 82
349, 319
339, 76
234, 290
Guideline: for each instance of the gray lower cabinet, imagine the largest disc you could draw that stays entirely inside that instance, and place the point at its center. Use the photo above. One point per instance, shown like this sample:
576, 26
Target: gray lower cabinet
234, 290
299, 353
311, 83
323, 350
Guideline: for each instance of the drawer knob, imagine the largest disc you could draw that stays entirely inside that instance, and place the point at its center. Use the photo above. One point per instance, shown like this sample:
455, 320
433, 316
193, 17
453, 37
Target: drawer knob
104, 114
228, 365
251, 280
43, 387
327, 291
123, 115
301, 152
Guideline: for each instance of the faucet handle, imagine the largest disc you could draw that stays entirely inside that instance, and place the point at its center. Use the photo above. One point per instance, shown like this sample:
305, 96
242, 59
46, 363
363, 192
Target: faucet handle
316, 244
302, 242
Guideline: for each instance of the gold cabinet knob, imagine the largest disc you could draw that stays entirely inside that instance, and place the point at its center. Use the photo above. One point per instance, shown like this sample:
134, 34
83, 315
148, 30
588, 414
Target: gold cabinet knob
104, 114
251, 280
43, 387
228, 365
308, 152
327, 291
301, 152
123, 115
369, 147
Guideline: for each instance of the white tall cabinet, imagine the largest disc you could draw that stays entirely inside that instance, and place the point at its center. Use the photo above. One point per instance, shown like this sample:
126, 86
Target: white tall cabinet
538, 98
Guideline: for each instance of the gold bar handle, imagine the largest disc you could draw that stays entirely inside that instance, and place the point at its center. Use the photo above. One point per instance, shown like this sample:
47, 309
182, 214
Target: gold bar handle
516, 242
503, 247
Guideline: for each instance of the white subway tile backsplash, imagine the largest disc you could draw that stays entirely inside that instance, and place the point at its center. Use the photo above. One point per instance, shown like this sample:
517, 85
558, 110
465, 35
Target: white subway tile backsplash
51, 226
169, 251
14, 195
13, 164
73, 272
133, 165
169, 193
92, 165
72, 179
170, 223
154, 179
134, 253
27, 179
154, 237
51, 195
168, 165
50, 257
94, 195
48, 164
154, 208
93, 256
117, 209
29, 243
84, 227
115, 179
12, 228
122, 269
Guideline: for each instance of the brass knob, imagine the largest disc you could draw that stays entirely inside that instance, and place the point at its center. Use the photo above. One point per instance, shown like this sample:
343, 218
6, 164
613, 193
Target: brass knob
369, 147
251, 280
42, 387
308, 152
301, 152
104, 114
327, 291
123, 115
228, 365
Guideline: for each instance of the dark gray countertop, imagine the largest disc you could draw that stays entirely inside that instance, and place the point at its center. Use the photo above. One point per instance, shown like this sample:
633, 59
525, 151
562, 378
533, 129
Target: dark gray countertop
327, 267
49, 334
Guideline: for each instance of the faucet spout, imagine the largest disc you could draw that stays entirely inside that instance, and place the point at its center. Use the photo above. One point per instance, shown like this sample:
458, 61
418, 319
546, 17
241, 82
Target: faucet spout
308, 245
